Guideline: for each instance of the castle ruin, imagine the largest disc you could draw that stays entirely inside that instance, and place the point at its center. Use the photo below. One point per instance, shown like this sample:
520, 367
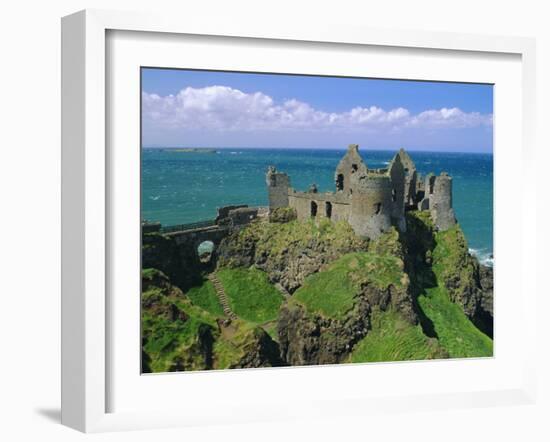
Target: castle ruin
370, 200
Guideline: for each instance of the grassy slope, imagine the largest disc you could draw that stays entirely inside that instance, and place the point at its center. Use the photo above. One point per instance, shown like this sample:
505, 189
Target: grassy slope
205, 296
456, 333
331, 292
393, 339
251, 296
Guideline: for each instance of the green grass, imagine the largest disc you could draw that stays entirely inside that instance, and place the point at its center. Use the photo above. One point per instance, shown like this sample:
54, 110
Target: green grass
251, 296
331, 292
456, 333
394, 339
205, 297
167, 339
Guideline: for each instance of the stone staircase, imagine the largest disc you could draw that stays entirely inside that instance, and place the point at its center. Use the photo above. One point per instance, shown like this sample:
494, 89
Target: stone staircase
282, 290
220, 291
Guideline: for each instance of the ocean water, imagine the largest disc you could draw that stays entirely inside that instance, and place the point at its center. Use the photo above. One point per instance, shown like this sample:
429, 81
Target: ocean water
183, 187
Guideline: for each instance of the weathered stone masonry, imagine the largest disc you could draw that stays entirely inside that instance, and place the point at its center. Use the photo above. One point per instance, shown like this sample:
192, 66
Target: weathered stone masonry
371, 200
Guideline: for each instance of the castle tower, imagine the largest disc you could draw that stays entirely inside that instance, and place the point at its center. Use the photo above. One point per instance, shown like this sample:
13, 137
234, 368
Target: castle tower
396, 171
441, 201
411, 177
351, 164
278, 184
371, 204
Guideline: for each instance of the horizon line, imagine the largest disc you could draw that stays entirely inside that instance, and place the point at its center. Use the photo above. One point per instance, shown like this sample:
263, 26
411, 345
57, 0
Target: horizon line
317, 148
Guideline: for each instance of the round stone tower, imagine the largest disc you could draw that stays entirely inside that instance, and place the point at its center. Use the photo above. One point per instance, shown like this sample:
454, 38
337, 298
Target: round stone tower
441, 202
371, 204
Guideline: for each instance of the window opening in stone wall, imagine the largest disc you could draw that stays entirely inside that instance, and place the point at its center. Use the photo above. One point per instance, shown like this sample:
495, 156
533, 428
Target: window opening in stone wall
328, 209
313, 209
377, 208
393, 195
340, 182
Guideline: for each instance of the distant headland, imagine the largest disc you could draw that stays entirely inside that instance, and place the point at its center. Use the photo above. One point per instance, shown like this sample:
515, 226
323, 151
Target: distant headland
190, 149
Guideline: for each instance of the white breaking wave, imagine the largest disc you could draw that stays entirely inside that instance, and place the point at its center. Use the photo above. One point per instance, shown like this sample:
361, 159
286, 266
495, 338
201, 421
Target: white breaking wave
484, 257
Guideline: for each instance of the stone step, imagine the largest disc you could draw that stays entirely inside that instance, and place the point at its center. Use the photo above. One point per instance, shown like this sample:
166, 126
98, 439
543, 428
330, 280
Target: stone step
222, 297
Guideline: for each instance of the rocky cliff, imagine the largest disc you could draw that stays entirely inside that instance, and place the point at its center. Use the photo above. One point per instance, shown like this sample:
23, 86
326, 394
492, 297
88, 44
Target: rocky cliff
408, 295
444, 257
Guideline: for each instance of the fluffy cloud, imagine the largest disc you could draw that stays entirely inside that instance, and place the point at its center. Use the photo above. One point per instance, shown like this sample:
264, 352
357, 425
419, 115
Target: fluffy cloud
223, 108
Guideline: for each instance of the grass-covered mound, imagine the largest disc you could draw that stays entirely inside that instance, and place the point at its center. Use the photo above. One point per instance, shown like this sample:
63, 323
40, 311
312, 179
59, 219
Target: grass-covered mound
289, 252
391, 338
205, 296
331, 292
330, 313
251, 296
275, 238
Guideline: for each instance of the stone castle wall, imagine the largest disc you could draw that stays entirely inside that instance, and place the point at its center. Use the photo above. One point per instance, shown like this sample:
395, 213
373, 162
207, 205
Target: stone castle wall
320, 205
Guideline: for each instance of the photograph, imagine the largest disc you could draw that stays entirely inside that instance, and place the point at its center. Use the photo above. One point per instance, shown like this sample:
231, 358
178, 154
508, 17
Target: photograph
304, 220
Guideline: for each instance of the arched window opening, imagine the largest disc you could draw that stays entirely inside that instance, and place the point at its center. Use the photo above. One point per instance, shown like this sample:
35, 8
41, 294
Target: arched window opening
377, 208
353, 168
393, 195
328, 209
205, 250
313, 209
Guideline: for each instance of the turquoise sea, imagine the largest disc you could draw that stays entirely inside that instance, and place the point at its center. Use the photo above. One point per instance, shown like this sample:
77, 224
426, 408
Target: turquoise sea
183, 187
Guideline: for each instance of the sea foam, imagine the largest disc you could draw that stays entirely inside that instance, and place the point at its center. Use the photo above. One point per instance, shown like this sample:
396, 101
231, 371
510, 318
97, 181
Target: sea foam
484, 257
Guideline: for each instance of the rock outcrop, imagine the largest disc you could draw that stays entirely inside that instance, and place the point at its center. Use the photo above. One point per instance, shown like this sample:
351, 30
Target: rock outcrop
311, 339
289, 252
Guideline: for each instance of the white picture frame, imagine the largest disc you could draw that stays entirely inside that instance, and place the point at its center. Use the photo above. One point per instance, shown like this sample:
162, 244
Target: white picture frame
86, 212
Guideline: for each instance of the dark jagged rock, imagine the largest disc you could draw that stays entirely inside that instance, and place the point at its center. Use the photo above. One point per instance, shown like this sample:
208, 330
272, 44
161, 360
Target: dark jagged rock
486, 282
311, 339
259, 351
181, 264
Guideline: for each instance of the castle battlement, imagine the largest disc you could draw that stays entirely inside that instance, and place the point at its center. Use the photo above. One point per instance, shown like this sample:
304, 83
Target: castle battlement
371, 200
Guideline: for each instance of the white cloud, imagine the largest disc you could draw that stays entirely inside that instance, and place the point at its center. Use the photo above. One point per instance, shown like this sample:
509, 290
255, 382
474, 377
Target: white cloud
223, 108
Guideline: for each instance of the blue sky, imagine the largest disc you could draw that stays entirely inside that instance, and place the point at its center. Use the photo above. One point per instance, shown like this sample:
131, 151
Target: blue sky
226, 109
